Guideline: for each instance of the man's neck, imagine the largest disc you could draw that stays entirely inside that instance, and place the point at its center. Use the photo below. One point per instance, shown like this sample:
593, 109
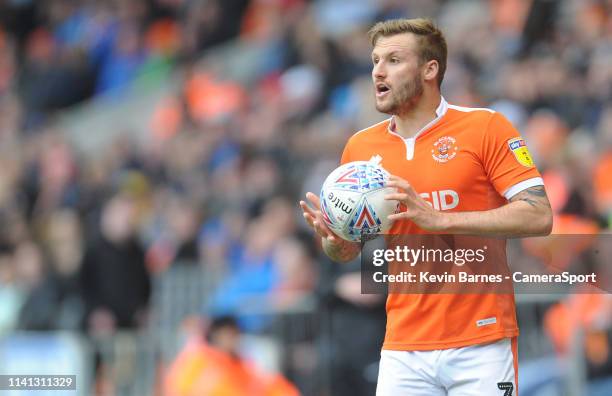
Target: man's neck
409, 124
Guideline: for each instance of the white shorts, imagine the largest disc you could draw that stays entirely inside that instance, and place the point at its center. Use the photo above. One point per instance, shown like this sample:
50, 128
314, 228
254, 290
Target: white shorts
477, 370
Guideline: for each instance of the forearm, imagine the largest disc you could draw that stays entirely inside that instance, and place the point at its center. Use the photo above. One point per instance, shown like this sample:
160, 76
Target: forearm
515, 219
341, 252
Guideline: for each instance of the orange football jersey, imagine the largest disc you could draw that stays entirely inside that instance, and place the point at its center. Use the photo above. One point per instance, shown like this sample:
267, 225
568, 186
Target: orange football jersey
466, 159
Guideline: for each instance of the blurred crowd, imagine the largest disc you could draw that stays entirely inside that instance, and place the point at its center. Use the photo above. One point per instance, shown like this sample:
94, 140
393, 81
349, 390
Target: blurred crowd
217, 180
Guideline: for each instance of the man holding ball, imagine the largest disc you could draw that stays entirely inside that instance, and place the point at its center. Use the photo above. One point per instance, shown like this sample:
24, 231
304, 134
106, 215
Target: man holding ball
456, 170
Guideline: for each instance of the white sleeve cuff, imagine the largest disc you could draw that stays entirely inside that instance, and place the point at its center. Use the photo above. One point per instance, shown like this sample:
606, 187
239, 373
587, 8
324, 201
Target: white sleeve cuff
525, 184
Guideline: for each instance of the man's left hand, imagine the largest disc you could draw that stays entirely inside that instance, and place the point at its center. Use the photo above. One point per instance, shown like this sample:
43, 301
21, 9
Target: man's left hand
417, 210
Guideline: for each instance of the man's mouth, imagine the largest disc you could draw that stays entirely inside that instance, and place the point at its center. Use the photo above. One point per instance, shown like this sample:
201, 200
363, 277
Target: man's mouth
381, 89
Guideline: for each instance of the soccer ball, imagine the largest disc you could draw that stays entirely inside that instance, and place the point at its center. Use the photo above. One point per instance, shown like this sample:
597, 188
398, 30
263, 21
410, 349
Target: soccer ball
352, 200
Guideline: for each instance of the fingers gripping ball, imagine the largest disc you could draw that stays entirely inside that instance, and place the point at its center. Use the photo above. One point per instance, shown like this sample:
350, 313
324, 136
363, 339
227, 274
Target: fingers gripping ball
352, 200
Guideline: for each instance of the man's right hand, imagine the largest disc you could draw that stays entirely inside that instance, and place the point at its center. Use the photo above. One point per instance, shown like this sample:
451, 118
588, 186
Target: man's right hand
314, 218
335, 247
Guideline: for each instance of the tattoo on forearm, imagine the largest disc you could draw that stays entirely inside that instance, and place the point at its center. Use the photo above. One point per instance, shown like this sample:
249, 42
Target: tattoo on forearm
534, 196
529, 201
537, 191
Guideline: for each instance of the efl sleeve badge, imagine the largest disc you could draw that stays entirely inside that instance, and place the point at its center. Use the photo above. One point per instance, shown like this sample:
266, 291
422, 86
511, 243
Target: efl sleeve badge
520, 151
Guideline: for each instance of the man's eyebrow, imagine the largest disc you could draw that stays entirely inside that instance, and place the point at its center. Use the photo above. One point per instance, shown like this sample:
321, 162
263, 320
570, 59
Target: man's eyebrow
392, 53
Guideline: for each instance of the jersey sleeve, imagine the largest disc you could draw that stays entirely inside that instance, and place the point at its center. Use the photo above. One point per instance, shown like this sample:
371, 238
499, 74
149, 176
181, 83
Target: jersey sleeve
506, 159
346, 156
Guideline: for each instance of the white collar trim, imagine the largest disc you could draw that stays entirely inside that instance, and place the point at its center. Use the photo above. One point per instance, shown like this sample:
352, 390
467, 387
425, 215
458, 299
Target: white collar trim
440, 112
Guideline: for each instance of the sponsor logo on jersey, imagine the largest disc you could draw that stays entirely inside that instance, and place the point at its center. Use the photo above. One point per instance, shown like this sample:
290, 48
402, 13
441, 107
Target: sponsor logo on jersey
486, 322
445, 149
442, 200
520, 151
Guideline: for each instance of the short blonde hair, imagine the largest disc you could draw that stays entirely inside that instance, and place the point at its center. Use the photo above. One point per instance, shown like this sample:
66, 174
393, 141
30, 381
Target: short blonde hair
432, 44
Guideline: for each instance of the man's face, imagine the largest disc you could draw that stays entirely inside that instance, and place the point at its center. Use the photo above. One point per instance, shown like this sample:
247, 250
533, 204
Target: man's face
396, 73
226, 339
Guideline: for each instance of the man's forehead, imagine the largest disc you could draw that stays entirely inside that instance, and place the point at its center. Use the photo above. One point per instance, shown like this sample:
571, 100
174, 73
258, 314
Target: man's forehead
398, 42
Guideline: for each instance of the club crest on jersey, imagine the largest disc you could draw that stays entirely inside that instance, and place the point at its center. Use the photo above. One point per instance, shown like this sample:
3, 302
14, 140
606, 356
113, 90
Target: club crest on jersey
520, 151
444, 149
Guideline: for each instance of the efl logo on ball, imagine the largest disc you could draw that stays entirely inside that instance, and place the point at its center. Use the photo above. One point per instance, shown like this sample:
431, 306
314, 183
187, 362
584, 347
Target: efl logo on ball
352, 200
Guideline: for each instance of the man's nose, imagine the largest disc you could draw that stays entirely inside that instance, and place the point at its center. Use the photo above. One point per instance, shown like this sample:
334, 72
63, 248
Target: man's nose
379, 71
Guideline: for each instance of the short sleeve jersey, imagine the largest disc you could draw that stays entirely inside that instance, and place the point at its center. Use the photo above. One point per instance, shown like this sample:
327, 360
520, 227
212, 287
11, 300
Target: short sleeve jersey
466, 159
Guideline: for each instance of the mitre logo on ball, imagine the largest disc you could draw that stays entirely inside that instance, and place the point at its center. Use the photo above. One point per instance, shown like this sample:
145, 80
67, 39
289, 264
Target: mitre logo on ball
352, 200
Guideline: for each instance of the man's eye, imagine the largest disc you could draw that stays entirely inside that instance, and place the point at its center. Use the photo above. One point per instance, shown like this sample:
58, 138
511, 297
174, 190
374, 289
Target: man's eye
394, 60
375, 60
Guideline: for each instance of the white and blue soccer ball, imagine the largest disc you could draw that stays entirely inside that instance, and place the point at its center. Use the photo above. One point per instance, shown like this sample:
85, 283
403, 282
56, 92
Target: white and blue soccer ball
352, 200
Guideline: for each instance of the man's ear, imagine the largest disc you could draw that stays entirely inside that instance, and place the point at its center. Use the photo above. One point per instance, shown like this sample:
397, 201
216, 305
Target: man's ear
430, 71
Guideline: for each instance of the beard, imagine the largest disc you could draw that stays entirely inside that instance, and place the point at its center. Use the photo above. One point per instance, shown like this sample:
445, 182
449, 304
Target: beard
402, 100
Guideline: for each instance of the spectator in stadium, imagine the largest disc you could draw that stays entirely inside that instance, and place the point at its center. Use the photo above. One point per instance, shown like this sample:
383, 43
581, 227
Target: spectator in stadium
257, 277
11, 296
63, 241
442, 344
123, 62
115, 283
214, 367
353, 371
176, 240
40, 308
587, 318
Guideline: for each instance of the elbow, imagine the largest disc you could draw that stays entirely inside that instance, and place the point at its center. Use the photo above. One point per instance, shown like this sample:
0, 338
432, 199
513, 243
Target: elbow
545, 223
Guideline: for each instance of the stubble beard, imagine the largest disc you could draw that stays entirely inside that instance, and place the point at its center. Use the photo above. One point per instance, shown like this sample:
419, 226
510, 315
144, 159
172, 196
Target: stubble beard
404, 100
